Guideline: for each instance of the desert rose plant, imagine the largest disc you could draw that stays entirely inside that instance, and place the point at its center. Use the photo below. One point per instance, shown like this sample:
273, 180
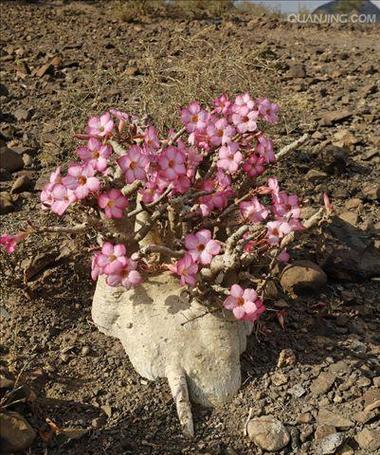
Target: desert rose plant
189, 184
192, 202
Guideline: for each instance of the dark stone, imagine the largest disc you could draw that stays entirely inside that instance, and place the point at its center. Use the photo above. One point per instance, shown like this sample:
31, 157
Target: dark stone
349, 255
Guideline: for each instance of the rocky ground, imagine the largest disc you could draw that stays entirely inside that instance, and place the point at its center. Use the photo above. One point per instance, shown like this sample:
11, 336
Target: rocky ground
311, 380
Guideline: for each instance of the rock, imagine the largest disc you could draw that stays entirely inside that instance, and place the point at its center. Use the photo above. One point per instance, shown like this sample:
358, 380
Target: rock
302, 277
368, 439
368, 89
297, 70
344, 138
306, 432
354, 203
21, 184
107, 410
322, 384
286, 358
369, 413
322, 431
22, 115
6, 381
371, 191
10, 160
333, 160
350, 217
339, 368
326, 417
371, 396
349, 254
132, 71
295, 438
314, 175
279, 378
6, 203
27, 159
297, 391
370, 155
16, 433
306, 417
42, 181
331, 443
85, 350
346, 449
42, 70
98, 422
73, 433
268, 433
368, 68
331, 117
3, 90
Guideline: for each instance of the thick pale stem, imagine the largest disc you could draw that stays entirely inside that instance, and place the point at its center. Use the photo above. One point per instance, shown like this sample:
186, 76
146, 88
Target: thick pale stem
178, 387
288, 148
309, 223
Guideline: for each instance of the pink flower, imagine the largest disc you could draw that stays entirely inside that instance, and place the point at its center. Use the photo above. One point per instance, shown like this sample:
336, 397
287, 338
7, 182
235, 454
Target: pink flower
172, 163
193, 160
193, 117
244, 114
9, 242
100, 126
96, 269
181, 184
264, 148
277, 230
134, 164
201, 247
244, 303
80, 179
222, 105
151, 140
219, 198
95, 154
253, 210
121, 116
61, 198
200, 139
220, 132
255, 165
46, 195
128, 276
283, 256
118, 268
286, 206
229, 157
113, 202
273, 186
186, 269
55, 176
243, 102
328, 205
112, 258
215, 201
223, 180
245, 121
151, 192
267, 110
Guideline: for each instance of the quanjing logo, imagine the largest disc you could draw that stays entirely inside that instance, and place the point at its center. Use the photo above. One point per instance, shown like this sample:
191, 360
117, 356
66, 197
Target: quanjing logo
332, 18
